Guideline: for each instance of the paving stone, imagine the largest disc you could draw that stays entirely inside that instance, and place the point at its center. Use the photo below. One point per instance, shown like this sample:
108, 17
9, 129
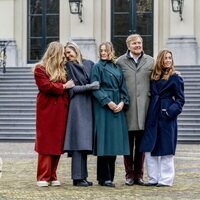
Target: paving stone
18, 181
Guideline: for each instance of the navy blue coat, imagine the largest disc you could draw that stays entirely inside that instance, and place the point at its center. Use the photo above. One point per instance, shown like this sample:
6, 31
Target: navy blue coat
166, 102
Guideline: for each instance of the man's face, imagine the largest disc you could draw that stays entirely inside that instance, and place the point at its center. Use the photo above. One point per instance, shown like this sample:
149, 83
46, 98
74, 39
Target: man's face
136, 46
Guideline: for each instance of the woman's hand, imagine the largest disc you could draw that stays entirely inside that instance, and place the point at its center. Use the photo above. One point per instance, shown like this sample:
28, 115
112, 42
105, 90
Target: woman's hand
119, 107
69, 84
112, 105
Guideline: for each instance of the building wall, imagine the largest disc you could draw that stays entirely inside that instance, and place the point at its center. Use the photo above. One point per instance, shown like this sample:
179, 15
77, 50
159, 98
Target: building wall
182, 37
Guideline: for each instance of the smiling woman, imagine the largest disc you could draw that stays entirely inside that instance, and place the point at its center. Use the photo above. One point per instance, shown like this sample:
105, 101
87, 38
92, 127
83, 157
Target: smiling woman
110, 101
160, 135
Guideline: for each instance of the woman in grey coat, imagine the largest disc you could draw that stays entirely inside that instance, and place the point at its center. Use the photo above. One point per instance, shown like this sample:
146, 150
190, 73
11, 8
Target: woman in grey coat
79, 131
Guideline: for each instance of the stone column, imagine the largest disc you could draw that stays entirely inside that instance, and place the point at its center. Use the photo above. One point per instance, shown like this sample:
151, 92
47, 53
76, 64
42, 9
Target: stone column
182, 41
7, 31
83, 32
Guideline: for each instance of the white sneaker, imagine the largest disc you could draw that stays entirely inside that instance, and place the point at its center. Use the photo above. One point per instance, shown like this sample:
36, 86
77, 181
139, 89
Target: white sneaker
55, 183
42, 183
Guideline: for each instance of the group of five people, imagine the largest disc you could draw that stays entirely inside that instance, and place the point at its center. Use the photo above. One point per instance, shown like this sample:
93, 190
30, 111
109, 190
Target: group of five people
127, 106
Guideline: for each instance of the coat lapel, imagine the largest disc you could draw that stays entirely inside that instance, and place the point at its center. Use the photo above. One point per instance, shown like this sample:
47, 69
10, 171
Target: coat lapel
130, 64
141, 63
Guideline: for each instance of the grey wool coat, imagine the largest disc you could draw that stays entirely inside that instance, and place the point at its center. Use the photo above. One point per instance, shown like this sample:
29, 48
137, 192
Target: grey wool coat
79, 131
137, 78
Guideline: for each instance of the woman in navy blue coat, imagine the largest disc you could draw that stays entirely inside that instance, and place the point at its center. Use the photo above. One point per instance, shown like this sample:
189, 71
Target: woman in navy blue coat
160, 137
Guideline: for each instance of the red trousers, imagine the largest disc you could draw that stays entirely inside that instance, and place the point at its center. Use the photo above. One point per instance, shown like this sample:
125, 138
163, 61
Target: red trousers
47, 166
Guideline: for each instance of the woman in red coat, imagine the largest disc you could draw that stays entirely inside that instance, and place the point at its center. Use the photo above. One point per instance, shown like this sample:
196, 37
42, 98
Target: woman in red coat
51, 112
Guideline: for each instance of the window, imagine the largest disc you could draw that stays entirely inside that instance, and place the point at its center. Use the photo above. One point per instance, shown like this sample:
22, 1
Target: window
128, 17
43, 27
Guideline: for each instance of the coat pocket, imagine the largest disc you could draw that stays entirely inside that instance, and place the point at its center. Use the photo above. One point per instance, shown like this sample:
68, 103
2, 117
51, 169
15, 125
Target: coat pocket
165, 114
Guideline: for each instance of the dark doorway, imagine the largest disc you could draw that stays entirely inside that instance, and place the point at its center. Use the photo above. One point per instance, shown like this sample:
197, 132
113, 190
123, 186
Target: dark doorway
43, 27
128, 17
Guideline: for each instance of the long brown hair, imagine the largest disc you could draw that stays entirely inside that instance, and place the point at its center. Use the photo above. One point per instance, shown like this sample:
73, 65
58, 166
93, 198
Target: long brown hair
159, 71
53, 61
109, 49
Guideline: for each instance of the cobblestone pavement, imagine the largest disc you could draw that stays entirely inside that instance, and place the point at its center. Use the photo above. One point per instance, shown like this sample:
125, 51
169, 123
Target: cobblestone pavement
19, 172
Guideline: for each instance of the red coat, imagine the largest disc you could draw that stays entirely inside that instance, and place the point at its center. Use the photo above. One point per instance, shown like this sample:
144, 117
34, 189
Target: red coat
51, 114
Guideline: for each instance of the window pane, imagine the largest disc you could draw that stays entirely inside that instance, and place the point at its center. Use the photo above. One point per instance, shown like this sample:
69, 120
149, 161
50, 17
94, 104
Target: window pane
52, 6
52, 25
121, 5
43, 26
36, 26
121, 25
132, 16
148, 44
36, 49
52, 39
119, 44
144, 23
35, 7
144, 6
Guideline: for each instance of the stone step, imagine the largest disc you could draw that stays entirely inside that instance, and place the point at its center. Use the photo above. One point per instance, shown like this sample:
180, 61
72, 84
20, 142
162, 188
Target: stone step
19, 109
21, 96
185, 73
192, 106
17, 81
195, 84
6, 85
17, 101
15, 114
188, 68
190, 120
191, 88
188, 140
17, 106
17, 129
18, 92
188, 130
14, 119
17, 89
188, 125
191, 91
188, 111
195, 101
22, 135
20, 124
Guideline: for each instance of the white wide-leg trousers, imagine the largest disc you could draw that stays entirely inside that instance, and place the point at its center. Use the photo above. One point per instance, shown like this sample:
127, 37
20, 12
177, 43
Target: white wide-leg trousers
160, 169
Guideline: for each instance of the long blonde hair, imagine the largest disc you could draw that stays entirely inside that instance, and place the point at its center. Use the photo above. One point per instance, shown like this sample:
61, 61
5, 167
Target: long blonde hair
109, 49
53, 62
159, 71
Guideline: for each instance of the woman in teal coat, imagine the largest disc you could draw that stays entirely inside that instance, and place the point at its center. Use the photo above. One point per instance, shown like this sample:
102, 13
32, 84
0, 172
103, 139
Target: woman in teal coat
111, 133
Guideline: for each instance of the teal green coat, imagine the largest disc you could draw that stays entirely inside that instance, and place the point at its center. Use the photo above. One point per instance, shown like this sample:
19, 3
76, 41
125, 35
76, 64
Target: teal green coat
111, 132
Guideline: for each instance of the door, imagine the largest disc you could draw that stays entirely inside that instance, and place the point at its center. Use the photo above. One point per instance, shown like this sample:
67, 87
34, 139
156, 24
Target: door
128, 17
43, 27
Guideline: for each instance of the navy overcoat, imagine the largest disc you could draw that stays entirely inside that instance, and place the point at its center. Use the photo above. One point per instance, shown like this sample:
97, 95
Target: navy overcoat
166, 102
